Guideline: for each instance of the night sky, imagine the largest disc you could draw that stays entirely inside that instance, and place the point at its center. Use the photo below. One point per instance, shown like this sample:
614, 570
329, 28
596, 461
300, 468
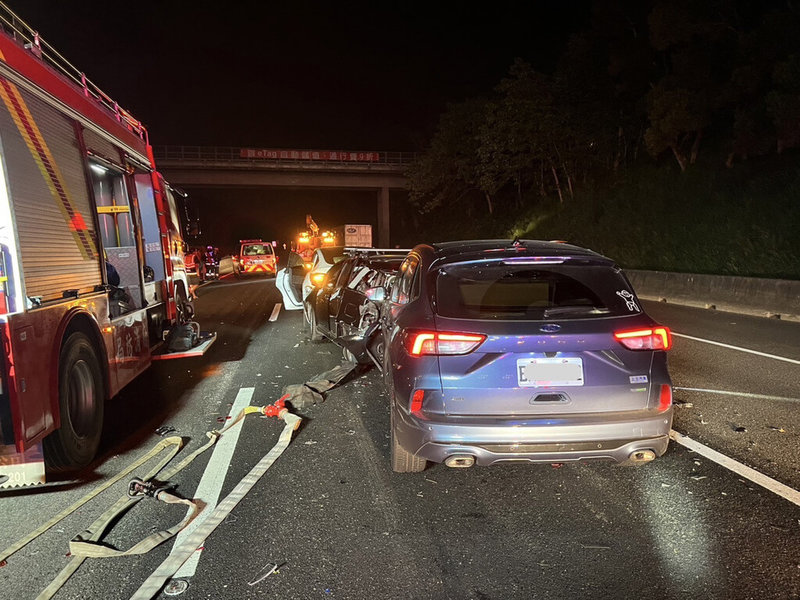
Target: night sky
333, 75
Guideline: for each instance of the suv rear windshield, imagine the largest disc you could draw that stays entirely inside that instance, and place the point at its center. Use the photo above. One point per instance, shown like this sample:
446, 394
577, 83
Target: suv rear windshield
500, 290
256, 250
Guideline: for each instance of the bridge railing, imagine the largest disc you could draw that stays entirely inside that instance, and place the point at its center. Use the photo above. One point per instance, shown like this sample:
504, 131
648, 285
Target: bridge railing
319, 157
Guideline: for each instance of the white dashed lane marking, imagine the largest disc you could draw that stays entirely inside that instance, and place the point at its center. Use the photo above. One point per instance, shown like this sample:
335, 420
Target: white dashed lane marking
739, 348
210, 485
776, 487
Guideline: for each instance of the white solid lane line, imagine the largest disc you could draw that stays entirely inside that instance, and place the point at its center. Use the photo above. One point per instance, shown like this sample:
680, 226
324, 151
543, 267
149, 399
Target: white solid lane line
742, 394
740, 349
275, 311
210, 485
776, 487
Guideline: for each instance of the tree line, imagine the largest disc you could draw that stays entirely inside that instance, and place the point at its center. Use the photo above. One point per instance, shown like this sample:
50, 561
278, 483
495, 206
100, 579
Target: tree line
647, 82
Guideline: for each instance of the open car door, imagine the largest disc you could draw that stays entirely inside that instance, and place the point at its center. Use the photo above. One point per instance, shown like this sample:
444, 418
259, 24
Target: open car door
289, 282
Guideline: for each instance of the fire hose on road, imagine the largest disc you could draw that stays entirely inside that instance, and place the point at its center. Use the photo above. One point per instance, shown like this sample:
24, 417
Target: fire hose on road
155, 484
88, 543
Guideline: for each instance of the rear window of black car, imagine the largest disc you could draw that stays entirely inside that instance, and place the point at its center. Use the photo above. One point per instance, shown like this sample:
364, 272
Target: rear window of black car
497, 290
333, 255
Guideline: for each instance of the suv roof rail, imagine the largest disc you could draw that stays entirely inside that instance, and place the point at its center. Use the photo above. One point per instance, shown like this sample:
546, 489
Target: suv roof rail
379, 250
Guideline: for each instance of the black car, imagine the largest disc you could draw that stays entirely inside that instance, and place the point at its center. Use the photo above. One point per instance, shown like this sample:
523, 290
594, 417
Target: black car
339, 308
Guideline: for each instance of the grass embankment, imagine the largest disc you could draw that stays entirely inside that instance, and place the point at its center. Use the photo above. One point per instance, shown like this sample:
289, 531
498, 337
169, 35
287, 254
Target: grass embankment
717, 221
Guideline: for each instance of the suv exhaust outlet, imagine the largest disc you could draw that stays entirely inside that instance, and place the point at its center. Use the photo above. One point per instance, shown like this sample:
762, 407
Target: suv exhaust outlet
642, 456
461, 461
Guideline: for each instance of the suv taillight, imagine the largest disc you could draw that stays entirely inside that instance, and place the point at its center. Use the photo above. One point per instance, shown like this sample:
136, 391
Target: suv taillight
657, 338
419, 343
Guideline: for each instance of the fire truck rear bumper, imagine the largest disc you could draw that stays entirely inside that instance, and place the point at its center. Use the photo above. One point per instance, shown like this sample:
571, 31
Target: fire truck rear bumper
18, 470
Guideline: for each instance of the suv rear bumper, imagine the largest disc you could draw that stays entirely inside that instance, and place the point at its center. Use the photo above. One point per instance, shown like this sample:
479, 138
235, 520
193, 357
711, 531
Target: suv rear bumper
613, 436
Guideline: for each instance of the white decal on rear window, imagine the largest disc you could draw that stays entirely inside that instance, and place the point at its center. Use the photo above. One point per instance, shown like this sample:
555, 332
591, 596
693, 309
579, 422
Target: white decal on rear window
629, 300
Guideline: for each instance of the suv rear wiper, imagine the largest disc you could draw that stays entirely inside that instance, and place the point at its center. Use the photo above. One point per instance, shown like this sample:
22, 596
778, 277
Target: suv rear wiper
575, 310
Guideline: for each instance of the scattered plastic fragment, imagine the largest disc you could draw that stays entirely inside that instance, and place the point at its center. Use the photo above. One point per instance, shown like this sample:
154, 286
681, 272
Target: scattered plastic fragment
310, 443
431, 480
699, 477
165, 429
557, 465
778, 429
267, 570
419, 494
740, 429
595, 547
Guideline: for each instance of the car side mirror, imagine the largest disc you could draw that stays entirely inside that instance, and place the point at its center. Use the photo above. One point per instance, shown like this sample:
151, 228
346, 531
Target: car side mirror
376, 294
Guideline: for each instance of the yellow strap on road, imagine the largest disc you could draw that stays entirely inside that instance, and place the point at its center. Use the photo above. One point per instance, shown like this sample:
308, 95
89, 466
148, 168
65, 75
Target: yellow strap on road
174, 441
180, 555
87, 543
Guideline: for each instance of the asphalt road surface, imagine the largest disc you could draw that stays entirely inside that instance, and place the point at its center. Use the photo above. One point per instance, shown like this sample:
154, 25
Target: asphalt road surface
339, 524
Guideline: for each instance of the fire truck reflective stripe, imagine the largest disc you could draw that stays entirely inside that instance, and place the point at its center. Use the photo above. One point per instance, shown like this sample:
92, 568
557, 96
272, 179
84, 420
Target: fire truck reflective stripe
47, 165
109, 210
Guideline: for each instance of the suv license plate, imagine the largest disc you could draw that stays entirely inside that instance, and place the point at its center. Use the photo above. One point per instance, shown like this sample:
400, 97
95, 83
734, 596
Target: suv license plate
549, 372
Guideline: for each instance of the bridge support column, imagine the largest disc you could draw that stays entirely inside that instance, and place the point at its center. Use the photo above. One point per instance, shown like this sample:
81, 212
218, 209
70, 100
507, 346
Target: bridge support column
383, 218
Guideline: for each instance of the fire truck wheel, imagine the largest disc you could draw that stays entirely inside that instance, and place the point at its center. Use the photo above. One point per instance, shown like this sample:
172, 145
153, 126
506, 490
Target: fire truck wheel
80, 399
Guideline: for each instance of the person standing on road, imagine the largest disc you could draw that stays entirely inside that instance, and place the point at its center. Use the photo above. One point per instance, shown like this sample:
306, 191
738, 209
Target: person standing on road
200, 261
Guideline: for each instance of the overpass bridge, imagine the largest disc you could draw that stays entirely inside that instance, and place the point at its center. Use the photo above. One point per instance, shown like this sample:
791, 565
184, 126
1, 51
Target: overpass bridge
219, 167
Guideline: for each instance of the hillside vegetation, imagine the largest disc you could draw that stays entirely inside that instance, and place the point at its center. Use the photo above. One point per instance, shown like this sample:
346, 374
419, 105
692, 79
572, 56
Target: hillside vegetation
666, 138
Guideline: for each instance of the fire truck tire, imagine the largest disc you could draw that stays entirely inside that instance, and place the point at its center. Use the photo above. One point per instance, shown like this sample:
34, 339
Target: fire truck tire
80, 398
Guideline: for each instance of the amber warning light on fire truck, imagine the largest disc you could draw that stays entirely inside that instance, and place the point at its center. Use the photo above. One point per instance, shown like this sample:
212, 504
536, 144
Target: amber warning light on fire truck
93, 285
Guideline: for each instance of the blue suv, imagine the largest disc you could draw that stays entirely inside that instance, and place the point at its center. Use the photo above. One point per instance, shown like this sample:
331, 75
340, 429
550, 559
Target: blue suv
533, 351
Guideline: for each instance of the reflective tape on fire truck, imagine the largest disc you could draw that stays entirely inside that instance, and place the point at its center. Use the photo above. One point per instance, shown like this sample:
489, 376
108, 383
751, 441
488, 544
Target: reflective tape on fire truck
48, 167
110, 210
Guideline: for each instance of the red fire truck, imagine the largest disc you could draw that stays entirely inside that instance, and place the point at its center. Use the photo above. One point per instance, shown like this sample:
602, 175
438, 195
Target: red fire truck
91, 254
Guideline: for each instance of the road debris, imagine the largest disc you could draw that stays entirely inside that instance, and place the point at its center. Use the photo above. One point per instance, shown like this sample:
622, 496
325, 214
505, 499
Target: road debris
267, 570
739, 429
303, 395
164, 430
699, 477
595, 547
176, 587
778, 429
